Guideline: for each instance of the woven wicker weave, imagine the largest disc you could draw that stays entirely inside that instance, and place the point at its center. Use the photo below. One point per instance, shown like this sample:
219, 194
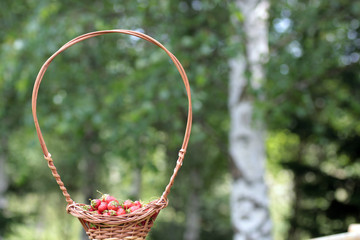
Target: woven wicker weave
131, 226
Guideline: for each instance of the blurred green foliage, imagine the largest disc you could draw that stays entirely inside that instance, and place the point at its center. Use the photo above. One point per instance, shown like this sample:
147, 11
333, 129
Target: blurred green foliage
114, 106
313, 113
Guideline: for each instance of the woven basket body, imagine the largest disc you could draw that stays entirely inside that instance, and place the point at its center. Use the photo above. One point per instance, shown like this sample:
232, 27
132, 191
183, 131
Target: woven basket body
134, 225
131, 226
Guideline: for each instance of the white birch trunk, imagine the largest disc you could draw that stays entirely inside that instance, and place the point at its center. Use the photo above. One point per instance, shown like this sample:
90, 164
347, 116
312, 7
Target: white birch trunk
249, 201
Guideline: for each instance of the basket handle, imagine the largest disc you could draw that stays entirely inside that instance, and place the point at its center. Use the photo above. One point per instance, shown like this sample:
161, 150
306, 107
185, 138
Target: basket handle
42, 71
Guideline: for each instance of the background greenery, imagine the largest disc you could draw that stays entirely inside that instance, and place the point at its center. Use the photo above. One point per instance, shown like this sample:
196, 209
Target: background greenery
113, 111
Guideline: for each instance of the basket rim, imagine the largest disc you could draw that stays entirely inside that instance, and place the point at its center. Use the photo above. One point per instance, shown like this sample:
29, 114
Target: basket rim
139, 215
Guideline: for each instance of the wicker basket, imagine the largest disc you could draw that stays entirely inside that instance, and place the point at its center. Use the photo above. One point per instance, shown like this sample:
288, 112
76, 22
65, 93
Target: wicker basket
131, 226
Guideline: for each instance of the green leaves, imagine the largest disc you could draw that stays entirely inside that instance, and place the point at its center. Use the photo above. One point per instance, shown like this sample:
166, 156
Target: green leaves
311, 95
112, 105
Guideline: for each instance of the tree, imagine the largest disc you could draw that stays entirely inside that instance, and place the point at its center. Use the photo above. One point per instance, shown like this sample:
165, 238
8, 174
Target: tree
103, 98
249, 200
13, 101
199, 41
312, 102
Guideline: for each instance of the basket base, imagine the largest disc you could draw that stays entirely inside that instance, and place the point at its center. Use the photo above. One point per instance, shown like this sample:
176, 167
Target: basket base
131, 226
127, 238
104, 235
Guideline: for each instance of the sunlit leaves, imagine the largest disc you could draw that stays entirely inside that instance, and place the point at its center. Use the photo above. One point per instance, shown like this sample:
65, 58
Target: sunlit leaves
312, 92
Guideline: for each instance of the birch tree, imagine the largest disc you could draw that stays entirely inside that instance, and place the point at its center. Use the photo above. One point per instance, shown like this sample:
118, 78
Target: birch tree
249, 202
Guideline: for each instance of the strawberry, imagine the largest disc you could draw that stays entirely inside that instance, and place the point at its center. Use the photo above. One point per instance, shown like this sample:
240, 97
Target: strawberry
95, 203
103, 197
120, 211
153, 217
112, 213
92, 226
105, 213
128, 204
113, 205
137, 203
107, 198
110, 199
87, 207
102, 207
134, 208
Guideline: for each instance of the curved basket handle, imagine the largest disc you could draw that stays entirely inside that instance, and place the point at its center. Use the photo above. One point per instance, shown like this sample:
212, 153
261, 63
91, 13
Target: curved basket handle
94, 34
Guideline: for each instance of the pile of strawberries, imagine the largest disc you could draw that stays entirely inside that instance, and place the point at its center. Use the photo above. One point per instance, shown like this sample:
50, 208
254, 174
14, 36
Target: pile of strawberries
109, 205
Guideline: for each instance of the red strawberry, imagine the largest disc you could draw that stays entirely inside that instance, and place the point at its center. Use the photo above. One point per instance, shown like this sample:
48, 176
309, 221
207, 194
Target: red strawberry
112, 213
95, 203
121, 211
137, 203
153, 217
113, 205
134, 208
105, 213
92, 226
103, 197
87, 207
102, 207
128, 204
110, 199
107, 198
